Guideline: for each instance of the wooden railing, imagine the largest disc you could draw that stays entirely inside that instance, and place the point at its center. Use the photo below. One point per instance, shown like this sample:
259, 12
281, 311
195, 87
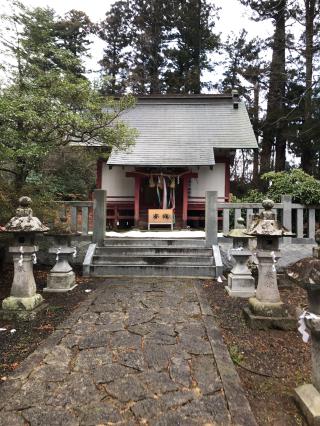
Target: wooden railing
80, 214
301, 220
297, 218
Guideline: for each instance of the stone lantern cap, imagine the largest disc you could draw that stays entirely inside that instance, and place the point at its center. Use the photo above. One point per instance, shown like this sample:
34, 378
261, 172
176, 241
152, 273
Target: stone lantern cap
62, 228
239, 231
24, 221
267, 225
306, 273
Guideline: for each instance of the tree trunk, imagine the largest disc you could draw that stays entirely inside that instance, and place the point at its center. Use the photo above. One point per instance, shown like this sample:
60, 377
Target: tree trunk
256, 99
307, 149
273, 130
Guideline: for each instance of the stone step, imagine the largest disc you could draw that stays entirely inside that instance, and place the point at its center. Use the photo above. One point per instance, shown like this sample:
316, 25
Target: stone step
155, 242
152, 251
153, 271
176, 260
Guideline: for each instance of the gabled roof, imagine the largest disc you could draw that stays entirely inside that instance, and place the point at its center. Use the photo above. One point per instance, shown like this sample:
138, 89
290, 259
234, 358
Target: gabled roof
184, 130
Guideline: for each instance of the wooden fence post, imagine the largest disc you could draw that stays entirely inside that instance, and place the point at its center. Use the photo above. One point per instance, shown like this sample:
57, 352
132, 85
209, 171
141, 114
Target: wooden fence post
211, 221
99, 216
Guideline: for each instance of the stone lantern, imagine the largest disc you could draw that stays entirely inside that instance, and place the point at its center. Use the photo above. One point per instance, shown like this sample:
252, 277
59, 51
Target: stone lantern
61, 278
24, 301
266, 310
306, 273
240, 280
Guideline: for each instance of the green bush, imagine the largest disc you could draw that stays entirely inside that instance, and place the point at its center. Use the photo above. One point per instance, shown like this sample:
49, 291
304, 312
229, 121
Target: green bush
303, 188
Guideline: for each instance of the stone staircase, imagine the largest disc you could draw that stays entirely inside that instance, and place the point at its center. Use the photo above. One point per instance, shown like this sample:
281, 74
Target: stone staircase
153, 257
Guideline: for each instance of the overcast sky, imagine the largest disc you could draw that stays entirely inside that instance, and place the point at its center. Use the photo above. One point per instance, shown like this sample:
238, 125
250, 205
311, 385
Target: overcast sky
233, 17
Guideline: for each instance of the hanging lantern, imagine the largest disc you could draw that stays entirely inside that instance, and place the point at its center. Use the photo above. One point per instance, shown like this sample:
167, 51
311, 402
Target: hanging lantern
151, 182
172, 183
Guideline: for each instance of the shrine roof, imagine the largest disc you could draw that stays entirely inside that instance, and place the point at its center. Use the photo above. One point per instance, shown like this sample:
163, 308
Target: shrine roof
184, 130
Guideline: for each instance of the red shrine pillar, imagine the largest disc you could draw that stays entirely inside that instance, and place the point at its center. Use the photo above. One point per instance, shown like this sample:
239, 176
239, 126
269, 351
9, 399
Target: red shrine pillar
185, 189
137, 185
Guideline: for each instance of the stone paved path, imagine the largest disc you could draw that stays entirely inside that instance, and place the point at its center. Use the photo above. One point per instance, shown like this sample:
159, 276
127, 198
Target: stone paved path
138, 351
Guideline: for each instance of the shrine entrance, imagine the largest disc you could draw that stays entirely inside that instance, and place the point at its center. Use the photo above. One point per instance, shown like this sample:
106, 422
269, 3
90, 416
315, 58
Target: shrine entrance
165, 188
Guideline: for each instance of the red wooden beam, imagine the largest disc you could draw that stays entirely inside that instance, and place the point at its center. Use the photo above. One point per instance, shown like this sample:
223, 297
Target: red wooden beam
134, 174
185, 186
137, 185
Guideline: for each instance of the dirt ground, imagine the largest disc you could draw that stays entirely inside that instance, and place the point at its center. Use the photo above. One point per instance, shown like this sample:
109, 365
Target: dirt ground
270, 363
21, 338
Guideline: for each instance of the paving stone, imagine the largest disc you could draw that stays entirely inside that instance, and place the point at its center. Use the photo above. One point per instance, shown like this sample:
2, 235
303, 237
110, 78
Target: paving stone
140, 329
125, 340
60, 355
147, 409
112, 321
50, 416
102, 413
132, 359
88, 359
195, 345
11, 419
180, 371
176, 399
105, 307
140, 316
157, 356
127, 389
70, 341
83, 329
33, 392
158, 382
177, 419
89, 318
204, 372
95, 340
50, 373
194, 328
111, 372
212, 407
76, 390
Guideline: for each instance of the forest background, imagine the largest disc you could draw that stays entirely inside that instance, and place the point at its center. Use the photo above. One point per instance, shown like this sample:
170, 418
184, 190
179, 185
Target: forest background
48, 99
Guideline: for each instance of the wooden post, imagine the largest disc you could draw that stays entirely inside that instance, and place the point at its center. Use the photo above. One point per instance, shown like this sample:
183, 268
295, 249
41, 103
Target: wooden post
211, 218
99, 216
137, 186
185, 188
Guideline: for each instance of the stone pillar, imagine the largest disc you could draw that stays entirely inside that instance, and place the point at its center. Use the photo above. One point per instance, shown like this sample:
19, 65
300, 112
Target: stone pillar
23, 296
211, 221
99, 216
308, 396
286, 200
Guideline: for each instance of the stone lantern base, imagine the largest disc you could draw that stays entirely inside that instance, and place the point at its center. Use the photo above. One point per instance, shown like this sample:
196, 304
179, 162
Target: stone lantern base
61, 278
308, 399
60, 282
263, 316
23, 308
240, 285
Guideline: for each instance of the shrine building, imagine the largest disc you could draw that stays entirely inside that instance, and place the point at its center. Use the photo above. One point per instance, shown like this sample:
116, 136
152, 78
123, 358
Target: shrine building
185, 147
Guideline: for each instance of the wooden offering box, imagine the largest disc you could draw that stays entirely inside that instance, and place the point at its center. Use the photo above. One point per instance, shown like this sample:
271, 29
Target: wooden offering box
160, 217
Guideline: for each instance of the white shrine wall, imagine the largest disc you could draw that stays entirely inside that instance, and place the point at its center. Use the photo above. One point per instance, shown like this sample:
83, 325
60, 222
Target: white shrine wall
115, 182
208, 180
